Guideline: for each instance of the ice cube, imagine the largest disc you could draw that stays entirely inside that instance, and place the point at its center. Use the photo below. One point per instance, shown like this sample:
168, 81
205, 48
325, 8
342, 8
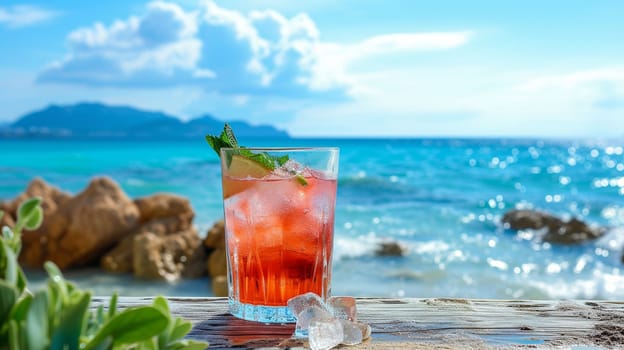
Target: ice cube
352, 334
292, 166
303, 301
343, 308
309, 315
324, 335
365, 329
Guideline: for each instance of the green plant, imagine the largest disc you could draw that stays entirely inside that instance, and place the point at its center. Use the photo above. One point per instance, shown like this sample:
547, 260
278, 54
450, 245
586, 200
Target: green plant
60, 316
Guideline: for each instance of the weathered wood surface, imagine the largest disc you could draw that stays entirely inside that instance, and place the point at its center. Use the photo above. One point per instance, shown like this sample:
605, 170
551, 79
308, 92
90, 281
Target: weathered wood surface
426, 323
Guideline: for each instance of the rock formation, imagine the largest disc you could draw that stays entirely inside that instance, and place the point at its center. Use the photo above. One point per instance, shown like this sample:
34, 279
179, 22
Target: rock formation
97, 218
168, 257
160, 216
217, 263
6, 219
558, 231
390, 248
151, 237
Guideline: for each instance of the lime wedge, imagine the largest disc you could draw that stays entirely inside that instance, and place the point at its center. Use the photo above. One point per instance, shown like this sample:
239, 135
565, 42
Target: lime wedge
240, 170
242, 167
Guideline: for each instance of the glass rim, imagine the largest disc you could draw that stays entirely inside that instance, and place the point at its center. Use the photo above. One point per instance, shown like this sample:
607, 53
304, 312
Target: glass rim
281, 149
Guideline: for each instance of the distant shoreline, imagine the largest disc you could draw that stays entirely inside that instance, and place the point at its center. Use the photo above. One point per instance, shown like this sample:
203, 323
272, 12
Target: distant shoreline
467, 139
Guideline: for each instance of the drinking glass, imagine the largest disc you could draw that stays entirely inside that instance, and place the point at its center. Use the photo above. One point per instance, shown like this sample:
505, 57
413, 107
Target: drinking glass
279, 223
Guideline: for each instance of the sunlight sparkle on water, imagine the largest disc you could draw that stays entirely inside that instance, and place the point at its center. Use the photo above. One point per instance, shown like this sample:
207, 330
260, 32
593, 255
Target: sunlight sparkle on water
553, 268
564, 180
498, 264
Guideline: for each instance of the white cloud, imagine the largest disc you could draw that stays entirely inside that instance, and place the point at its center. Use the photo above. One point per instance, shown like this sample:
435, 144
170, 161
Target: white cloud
140, 51
598, 92
467, 101
229, 52
574, 79
392, 43
24, 15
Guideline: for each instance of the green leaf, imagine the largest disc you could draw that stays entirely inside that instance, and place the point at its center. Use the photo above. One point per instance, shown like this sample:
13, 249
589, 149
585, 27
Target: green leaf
28, 212
53, 271
112, 306
131, 325
99, 315
105, 345
282, 160
20, 310
161, 304
229, 135
181, 328
57, 281
150, 344
192, 345
164, 337
37, 322
22, 282
301, 180
263, 159
15, 341
228, 139
8, 298
216, 144
11, 266
67, 335
55, 304
34, 219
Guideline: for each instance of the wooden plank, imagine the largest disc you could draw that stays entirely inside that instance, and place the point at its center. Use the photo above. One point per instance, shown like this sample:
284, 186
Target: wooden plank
424, 323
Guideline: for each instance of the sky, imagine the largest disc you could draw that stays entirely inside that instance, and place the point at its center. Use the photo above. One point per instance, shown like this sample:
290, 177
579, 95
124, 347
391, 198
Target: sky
321, 68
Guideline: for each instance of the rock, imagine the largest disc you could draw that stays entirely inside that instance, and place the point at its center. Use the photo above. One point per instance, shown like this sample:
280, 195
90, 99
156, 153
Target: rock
168, 257
390, 249
36, 244
219, 286
98, 218
529, 219
51, 197
152, 236
217, 263
164, 205
558, 231
215, 238
119, 259
573, 232
7, 218
215, 246
165, 225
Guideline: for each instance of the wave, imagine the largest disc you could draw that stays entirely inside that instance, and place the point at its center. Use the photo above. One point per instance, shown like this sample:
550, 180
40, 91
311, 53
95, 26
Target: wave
373, 190
366, 246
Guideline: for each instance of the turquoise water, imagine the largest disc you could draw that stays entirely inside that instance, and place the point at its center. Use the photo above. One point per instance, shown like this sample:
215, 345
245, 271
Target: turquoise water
442, 198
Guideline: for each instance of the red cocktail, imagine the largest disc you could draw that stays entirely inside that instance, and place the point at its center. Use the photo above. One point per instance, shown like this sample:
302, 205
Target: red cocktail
279, 229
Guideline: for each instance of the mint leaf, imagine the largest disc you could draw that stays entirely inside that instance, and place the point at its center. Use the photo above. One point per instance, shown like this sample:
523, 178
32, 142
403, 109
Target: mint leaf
216, 143
267, 161
263, 159
229, 134
226, 139
301, 180
281, 160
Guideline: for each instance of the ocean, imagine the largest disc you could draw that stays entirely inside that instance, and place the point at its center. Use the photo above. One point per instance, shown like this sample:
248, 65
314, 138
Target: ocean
442, 198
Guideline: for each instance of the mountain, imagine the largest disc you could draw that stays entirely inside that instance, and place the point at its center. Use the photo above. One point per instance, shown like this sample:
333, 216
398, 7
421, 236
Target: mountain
207, 124
95, 120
